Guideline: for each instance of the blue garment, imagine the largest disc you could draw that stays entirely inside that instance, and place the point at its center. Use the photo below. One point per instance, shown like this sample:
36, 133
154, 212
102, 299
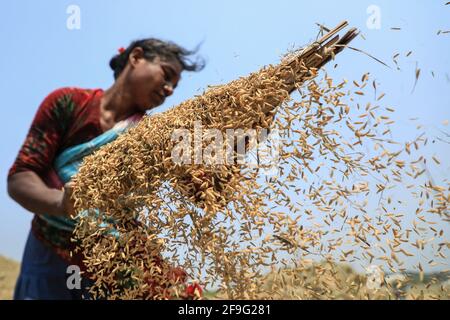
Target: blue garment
69, 161
43, 273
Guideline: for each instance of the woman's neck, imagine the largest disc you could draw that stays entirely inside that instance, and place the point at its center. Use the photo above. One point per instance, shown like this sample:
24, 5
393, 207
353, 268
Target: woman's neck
116, 104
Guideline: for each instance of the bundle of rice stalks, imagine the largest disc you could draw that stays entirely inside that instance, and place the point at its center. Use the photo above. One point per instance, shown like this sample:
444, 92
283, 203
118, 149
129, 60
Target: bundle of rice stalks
178, 191
248, 103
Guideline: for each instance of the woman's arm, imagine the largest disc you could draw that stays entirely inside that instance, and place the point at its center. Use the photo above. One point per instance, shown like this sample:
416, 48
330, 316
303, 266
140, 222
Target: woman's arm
37, 154
28, 190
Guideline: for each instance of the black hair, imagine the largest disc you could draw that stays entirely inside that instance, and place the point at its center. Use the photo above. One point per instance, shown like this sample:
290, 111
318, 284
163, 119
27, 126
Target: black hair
157, 48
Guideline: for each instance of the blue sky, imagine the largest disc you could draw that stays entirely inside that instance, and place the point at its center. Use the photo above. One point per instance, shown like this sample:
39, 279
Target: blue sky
40, 54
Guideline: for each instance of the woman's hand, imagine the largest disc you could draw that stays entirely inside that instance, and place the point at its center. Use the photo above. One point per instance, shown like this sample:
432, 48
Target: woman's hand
29, 190
66, 204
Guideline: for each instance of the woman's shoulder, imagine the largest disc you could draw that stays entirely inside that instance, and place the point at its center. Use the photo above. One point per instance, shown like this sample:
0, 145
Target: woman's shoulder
75, 93
68, 99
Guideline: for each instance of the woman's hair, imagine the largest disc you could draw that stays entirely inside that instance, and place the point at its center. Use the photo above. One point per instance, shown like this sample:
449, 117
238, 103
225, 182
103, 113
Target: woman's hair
157, 48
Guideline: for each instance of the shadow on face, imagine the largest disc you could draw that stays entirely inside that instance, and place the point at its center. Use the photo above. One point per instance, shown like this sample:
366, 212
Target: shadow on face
150, 82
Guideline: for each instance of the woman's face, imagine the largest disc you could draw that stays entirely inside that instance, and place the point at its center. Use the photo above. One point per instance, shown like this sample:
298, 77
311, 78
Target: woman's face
151, 82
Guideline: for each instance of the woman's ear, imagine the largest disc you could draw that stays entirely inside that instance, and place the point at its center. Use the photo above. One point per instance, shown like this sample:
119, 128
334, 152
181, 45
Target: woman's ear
135, 55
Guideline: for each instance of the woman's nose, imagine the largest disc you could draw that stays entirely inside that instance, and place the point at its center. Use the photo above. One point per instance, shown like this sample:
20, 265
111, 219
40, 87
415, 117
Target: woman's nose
168, 89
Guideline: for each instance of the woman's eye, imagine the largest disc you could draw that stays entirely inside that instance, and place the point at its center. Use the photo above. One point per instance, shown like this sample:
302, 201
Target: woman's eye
166, 76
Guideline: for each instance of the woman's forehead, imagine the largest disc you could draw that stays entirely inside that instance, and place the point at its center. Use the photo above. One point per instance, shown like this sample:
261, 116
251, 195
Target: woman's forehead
171, 63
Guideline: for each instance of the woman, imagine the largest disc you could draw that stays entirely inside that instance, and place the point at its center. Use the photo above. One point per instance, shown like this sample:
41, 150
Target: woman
70, 124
